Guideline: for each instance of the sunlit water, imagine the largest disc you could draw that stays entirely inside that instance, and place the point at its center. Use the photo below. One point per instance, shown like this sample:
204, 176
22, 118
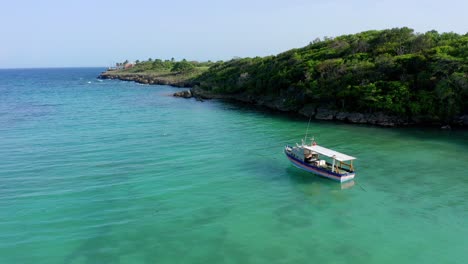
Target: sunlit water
116, 172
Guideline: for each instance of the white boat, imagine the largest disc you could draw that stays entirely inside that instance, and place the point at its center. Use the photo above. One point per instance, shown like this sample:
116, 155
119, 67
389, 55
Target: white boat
311, 158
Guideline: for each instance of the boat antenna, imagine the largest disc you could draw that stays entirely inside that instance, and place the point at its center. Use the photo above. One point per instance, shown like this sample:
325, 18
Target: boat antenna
307, 131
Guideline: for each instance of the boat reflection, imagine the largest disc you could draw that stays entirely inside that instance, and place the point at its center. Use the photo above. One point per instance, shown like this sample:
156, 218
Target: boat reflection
347, 185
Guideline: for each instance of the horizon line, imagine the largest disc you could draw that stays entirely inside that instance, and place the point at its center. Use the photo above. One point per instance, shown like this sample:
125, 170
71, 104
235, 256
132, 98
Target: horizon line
51, 67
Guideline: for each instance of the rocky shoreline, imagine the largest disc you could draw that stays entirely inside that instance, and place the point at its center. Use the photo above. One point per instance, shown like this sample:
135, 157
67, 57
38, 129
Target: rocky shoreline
147, 78
279, 104
310, 110
320, 112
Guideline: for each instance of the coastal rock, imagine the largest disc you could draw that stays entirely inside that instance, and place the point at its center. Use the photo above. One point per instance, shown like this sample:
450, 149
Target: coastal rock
200, 93
242, 98
206, 94
276, 104
383, 119
308, 110
357, 118
342, 116
325, 114
463, 120
271, 102
378, 118
183, 94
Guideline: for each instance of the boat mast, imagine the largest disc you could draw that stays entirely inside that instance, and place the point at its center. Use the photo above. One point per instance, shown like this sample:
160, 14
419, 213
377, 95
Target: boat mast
307, 131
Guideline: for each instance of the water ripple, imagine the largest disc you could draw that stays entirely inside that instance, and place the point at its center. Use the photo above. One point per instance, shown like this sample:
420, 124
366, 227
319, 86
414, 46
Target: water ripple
108, 172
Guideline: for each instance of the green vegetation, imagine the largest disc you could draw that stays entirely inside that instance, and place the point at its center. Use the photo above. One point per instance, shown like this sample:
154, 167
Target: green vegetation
395, 71
167, 66
162, 71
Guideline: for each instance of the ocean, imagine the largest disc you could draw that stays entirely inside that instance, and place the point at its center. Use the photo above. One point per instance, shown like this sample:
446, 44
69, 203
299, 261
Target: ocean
105, 171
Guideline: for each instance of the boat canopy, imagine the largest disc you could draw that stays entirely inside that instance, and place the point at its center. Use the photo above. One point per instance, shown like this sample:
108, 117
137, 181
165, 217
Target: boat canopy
329, 153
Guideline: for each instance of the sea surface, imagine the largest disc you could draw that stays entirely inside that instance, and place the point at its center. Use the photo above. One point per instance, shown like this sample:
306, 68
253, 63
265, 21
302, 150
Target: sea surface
105, 171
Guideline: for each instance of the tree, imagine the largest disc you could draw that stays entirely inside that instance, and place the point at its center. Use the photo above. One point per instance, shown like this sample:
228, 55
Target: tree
159, 64
182, 67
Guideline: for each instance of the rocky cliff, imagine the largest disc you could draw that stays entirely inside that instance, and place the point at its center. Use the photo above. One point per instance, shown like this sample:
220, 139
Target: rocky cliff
310, 110
145, 78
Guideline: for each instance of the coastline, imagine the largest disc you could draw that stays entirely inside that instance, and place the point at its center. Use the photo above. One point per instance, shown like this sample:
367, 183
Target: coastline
309, 110
172, 79
313, 111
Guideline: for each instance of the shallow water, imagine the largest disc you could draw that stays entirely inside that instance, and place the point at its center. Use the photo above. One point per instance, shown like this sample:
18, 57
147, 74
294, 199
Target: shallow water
107, 171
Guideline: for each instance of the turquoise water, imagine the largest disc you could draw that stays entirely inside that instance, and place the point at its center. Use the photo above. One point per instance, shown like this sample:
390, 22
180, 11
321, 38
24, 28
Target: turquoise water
116, 172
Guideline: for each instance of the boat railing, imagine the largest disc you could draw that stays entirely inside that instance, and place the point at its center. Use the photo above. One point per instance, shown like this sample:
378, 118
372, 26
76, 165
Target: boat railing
338, 168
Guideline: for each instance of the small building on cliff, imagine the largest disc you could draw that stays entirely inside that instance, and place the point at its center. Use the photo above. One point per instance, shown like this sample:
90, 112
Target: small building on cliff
129, 65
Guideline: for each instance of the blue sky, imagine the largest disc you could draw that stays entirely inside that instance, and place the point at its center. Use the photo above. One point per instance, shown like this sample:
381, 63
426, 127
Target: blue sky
52, 33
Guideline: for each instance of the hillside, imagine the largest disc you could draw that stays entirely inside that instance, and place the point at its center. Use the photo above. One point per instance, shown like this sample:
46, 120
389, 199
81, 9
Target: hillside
385, 77
168, 72
396, 73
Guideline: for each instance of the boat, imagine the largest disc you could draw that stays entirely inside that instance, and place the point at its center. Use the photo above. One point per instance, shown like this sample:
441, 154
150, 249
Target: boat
322, 161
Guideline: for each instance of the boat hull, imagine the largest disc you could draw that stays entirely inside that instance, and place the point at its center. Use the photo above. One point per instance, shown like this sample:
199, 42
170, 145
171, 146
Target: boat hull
320, 171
